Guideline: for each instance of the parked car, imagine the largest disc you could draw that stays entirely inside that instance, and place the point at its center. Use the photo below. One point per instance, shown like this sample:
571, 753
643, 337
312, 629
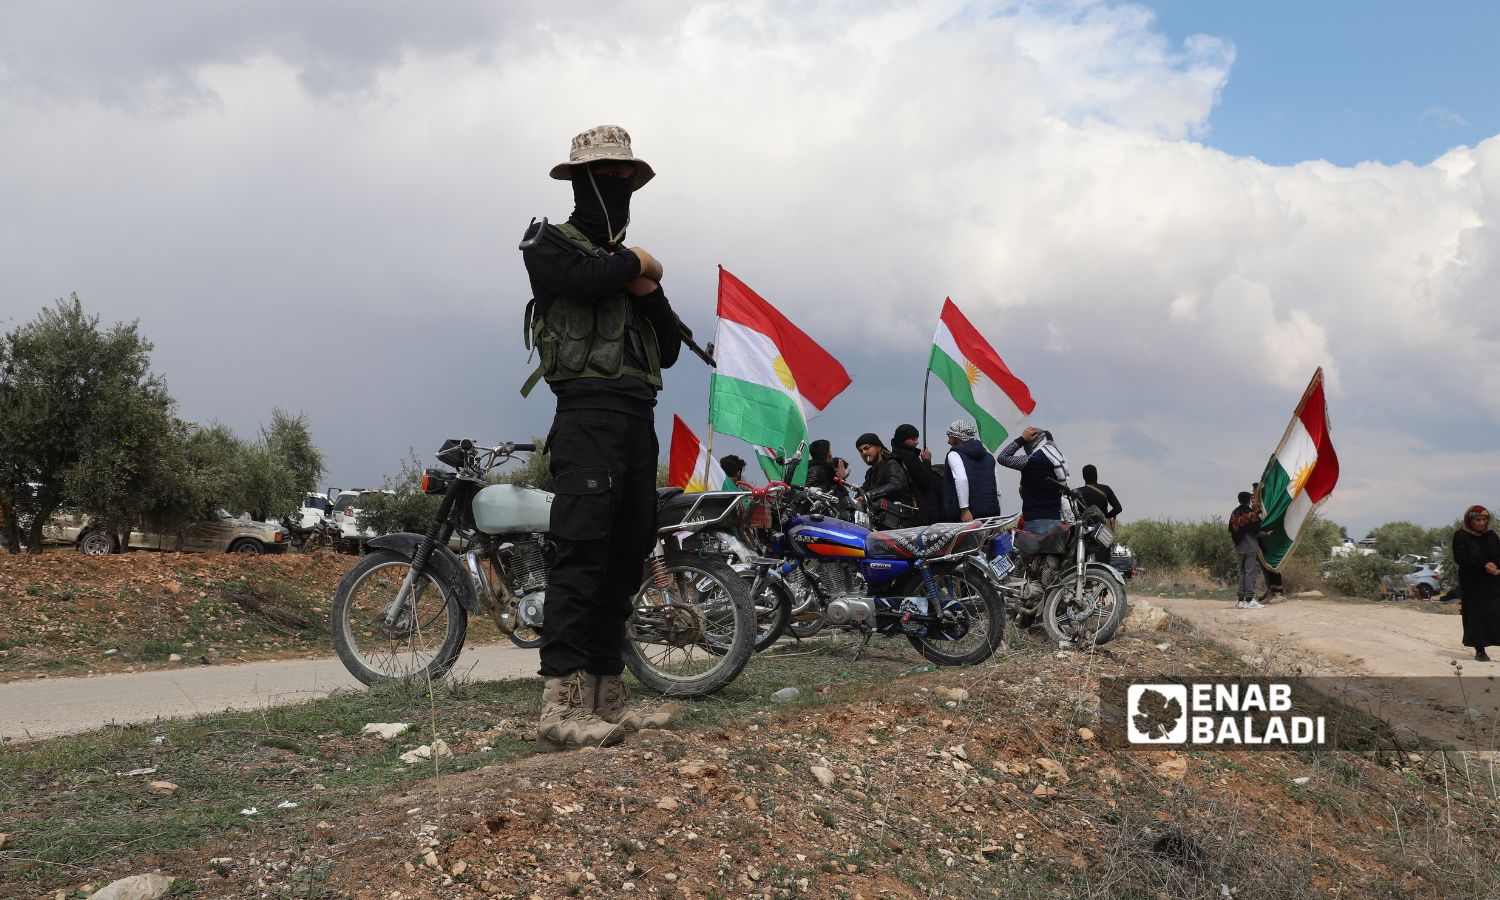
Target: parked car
1123, 561
315, 508
223, 534
345, 513
1425, 579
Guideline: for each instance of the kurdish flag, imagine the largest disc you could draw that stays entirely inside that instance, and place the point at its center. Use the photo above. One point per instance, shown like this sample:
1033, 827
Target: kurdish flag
1299, 476
978, 378
685, 462
771, 378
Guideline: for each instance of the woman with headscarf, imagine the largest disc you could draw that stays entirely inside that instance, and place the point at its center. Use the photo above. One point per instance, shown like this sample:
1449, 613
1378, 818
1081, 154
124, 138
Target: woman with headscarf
1476, 553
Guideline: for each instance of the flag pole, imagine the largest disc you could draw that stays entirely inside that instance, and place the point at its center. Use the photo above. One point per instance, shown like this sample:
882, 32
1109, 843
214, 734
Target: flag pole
926, 380
708, 453
708, 457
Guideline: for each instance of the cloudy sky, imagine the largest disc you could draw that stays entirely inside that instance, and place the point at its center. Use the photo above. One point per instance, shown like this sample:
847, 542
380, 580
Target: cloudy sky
1165, 216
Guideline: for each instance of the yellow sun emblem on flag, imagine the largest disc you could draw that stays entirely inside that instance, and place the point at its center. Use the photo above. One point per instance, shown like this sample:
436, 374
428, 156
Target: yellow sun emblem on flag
784, 373
972, 373
1299, 480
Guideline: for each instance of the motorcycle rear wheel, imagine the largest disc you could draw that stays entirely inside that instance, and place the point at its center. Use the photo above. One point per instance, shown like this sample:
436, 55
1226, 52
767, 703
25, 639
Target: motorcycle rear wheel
695, 635
526, 637
986, 611
1091, 625
425, 642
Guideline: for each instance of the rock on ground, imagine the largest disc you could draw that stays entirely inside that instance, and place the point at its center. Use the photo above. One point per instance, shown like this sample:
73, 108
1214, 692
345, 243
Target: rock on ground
136, 887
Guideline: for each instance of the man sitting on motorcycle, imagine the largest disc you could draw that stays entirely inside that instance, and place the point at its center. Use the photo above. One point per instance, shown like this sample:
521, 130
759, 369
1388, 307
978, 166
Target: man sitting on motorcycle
1041, 465
887, 491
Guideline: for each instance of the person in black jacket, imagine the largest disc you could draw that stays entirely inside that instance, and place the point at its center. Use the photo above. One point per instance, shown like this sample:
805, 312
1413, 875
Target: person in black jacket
823, 470
886, 489
926, 485
604, 331
1042, 465
1101, 497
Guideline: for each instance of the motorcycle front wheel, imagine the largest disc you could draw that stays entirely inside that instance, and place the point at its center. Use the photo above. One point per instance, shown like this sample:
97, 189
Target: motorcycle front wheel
426, 637
1087, 622
693, 635
773, 613
985, 610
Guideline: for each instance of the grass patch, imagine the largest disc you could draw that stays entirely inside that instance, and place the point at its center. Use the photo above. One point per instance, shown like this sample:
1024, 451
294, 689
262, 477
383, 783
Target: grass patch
68, 807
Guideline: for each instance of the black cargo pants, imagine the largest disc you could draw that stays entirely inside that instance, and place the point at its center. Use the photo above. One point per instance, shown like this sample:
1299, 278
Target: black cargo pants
603, 466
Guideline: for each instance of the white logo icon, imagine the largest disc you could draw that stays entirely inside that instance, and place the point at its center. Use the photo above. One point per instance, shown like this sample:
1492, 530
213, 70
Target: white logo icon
1156, 713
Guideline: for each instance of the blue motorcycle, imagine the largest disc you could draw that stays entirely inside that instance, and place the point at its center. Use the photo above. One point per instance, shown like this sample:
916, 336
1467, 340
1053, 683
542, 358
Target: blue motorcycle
932, 585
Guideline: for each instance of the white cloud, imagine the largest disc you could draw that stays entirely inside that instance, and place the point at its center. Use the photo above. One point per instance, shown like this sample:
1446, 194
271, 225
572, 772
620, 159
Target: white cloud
272, 181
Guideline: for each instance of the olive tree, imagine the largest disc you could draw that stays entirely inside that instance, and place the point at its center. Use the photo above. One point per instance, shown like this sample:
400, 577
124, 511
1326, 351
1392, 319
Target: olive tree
80, 411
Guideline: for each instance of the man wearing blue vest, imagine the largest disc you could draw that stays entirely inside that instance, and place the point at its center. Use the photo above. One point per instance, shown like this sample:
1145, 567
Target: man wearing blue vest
604, 332
969, 488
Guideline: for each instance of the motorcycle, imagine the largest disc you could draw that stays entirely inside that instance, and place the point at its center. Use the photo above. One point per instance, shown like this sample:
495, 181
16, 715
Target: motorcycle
930, 584
403, 610
320, 535
1054, 579
731, 542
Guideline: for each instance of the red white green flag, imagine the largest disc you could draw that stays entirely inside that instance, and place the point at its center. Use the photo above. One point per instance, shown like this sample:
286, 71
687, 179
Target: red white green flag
978, 378
686, 460
1299, 476
771, 378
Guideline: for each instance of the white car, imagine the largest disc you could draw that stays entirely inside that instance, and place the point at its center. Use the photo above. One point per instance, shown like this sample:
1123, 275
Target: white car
344, 514
314, 508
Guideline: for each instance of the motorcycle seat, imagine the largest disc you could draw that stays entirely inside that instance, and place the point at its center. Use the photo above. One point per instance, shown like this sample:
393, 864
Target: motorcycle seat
673, 504
1028, 544
922, 542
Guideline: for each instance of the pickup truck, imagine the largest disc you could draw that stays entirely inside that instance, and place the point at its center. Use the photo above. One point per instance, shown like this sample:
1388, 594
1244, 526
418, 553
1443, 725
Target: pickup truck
222, 534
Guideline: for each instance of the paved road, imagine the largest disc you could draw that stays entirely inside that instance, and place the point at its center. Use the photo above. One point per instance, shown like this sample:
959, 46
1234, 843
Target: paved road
38, 709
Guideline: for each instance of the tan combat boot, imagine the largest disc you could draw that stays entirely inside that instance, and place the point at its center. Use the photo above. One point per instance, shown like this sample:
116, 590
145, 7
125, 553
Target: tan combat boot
609, 705
568, 720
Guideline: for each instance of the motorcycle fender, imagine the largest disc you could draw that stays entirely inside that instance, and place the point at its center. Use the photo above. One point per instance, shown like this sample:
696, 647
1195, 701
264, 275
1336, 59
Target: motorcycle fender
444, 562
1099, 569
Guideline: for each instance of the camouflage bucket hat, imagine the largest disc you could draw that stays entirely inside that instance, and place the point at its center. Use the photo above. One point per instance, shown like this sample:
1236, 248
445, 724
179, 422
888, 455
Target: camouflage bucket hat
603, 142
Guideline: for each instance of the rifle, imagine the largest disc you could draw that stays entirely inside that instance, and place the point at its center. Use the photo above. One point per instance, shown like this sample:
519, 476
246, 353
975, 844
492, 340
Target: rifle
537, 232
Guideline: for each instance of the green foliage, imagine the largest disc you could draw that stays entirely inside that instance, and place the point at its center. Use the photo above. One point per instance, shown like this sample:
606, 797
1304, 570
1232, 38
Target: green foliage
1394, 539
81, 414
1319, 536
1164, 544
405, 509
534, 471
280, 468
1361, 575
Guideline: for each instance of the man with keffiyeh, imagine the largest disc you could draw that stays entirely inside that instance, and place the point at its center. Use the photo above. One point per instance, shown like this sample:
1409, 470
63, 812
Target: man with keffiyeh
1042, 466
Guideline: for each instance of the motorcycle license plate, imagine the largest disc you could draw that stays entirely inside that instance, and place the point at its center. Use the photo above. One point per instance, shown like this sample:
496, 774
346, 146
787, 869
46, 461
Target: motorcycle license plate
1002, 566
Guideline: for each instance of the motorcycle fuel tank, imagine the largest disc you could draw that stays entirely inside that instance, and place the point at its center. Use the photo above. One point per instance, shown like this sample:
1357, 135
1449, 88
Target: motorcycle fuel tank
509, 508
817, 536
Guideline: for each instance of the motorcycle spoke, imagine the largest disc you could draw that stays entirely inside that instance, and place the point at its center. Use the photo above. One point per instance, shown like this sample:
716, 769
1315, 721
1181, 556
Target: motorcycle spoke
410, 644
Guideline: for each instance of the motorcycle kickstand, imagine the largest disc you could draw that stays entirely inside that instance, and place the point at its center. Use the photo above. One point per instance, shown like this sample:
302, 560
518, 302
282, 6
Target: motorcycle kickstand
863, 644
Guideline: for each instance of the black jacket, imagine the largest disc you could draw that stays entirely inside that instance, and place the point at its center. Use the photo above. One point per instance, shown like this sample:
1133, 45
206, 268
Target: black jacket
1102, 498
886, 484
554, 273
926, 484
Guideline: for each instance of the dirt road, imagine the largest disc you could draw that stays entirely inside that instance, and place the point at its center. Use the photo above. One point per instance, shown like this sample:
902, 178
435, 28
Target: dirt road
38, 709
1400, 656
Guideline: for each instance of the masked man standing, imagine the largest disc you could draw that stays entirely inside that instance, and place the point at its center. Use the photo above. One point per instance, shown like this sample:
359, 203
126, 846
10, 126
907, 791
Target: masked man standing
604, 332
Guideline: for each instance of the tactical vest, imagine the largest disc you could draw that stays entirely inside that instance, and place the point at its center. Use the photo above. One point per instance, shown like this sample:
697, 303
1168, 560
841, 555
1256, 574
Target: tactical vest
588, 338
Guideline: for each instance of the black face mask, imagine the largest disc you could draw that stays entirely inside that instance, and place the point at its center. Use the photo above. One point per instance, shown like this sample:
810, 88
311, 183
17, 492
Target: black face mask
603, 225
